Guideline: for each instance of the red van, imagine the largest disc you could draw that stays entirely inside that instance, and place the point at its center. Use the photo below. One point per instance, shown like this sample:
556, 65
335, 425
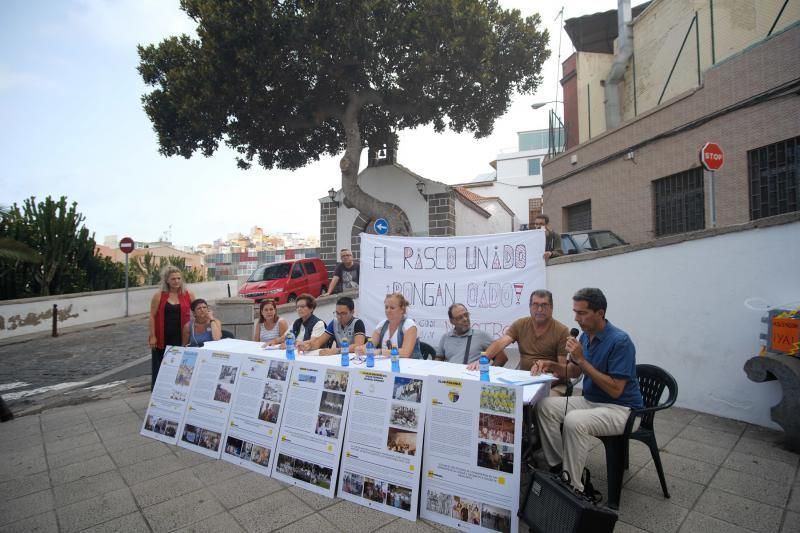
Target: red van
284, 281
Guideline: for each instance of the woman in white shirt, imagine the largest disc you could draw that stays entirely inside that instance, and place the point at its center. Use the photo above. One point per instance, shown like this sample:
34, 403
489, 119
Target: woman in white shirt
269, 328
397, 330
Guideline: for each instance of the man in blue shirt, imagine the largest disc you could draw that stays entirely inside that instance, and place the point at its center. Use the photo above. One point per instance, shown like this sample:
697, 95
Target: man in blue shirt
606, 356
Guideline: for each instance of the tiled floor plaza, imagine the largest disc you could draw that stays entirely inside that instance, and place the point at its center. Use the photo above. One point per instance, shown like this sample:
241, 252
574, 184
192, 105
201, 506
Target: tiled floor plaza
85, 468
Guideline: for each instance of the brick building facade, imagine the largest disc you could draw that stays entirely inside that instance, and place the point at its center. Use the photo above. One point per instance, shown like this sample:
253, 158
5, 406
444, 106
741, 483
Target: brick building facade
643, 179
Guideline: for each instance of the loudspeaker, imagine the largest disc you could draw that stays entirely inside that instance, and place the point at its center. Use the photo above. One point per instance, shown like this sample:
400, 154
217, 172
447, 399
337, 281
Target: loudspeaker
553, 506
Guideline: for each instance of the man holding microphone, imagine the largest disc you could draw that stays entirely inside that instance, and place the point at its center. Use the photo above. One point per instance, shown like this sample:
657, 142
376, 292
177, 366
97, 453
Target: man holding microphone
607, 357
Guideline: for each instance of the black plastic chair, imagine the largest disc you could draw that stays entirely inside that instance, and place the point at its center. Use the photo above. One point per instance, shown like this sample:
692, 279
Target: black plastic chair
652, 381
227, 334
427, 350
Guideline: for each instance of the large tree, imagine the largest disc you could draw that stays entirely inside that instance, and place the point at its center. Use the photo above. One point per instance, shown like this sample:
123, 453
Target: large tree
286, 82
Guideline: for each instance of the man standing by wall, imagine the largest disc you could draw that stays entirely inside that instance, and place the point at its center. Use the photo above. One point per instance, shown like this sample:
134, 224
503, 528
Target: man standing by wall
463, 344
552, 240
346, 274
606, 356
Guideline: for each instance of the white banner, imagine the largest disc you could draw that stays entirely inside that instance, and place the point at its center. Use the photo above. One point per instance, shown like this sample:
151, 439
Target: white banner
493, 275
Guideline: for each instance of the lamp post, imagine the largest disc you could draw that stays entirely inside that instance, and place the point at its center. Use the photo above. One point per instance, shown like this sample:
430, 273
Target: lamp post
332, 196
539, 105
557, 141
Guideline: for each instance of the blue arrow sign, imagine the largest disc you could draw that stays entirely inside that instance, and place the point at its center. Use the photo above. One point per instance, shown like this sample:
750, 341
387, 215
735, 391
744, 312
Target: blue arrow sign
381, 226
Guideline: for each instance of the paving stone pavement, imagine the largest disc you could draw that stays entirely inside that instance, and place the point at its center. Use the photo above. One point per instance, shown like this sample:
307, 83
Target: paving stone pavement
85, 468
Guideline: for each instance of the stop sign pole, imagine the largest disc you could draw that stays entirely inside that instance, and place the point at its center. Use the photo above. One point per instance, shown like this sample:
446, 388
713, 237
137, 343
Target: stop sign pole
711, 157
126, 245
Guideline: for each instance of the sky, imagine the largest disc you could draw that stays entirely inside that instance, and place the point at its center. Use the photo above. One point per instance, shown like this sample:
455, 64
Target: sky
73, 125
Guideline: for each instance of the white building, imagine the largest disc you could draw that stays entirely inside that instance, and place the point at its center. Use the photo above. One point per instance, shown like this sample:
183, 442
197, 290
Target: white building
517, 178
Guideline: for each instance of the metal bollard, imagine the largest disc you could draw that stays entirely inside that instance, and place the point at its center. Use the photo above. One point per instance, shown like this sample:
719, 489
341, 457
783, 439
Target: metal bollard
55, 320
229, 290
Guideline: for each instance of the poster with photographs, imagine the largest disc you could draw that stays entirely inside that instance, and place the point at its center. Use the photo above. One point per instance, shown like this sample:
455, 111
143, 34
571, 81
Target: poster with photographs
312, 427
252, 431
209, 404
382, 452
170, 394
473, 441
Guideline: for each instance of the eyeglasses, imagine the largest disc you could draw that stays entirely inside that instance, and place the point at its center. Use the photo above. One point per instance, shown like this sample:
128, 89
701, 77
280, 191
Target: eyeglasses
461, 317
300, 306
540, 306
337, 313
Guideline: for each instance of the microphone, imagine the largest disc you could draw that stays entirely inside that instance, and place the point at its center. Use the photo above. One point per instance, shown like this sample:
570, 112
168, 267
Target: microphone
572, 333
570, 384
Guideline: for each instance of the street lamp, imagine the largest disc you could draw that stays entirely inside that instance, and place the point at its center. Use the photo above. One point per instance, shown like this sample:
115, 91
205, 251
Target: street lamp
539, 105
332, 196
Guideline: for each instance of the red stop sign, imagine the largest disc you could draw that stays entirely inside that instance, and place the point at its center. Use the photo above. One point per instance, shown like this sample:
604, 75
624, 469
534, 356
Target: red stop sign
711, 156
126, 245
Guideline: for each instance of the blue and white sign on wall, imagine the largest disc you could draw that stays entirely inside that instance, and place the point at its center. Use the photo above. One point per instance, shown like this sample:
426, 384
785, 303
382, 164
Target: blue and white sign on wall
381, 226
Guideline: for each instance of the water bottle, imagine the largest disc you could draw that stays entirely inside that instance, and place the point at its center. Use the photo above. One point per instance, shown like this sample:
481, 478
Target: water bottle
345, 353
370, 354
395, 360
290, 346
484, 366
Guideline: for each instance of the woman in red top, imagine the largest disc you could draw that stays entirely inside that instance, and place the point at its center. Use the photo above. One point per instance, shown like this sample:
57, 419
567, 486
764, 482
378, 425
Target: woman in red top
169, 312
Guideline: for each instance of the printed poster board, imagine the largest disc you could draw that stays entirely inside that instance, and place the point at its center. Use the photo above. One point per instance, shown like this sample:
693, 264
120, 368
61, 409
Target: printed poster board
209, 404
471, 466
382, 451
312, 428
256, 411
168, 400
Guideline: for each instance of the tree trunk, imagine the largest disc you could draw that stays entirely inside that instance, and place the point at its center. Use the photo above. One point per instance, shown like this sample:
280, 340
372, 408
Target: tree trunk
367, 205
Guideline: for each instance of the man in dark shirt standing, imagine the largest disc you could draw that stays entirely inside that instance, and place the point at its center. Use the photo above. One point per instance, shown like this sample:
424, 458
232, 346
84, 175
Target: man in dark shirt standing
552, 240
346, 274
606, 356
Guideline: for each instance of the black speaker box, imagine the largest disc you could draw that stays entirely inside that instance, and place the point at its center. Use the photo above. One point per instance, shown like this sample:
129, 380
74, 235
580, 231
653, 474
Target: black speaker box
552, 506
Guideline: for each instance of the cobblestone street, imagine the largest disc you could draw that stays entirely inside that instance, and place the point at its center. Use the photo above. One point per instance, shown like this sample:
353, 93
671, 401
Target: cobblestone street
73, 355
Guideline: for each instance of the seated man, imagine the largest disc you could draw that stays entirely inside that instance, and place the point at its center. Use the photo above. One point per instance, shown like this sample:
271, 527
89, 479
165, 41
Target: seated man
607, 358
463, 344
539, 336
344, 326
309, 326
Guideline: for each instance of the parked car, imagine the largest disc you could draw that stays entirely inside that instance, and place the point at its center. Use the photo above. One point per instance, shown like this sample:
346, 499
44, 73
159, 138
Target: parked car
577, 242
284, 281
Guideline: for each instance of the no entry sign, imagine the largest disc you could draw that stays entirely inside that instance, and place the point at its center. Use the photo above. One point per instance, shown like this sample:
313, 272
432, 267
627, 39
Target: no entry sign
126, 245
711, 156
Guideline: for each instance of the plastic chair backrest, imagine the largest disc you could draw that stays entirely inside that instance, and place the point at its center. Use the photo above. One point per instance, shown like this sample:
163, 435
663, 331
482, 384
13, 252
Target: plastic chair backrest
227, 334
427, 350
652, 382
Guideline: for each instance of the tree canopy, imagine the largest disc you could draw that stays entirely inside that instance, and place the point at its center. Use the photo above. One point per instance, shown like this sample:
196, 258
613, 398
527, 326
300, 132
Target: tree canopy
284, 82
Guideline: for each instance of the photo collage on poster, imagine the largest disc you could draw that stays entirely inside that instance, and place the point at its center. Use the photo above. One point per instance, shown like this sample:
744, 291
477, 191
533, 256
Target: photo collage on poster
209, 402
472, 449
168, 399
385, 427
496, 428
311, 433
256, 413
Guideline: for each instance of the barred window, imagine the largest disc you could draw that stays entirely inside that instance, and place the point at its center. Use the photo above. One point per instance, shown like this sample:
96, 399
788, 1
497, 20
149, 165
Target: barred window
773, 174
579, 216
679, 203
